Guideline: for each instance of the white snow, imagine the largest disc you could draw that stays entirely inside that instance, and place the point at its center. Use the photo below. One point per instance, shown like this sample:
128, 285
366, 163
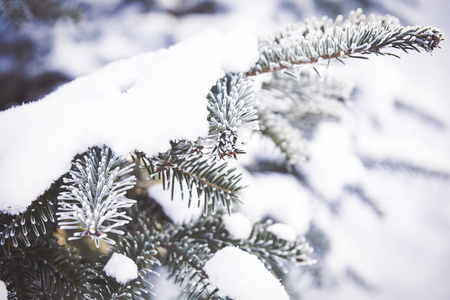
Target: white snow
238, 226
177, 209
3, 291
332, 165
165, 288
283, 231
386, 132
239, 51
125, 105
242, 276
122, 268
279, 197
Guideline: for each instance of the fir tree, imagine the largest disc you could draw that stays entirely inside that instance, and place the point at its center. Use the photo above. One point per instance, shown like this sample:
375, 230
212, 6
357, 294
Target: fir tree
47, 249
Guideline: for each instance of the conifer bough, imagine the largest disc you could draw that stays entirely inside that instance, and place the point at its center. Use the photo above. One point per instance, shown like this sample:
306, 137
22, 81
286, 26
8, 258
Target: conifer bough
95, 192
316, 40
92, 198
199, 174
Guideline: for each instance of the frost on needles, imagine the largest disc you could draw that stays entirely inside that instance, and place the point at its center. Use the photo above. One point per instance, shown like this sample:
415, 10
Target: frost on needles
93, 197
315, 40
94, 126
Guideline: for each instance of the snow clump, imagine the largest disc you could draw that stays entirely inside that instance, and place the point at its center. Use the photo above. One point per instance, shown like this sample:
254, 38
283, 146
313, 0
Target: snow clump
122, 268
242, 276
124, 105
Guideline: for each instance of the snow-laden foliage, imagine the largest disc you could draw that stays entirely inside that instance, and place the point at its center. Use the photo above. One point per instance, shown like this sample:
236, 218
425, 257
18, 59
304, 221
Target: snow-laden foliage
201, 178
238, 225
100, 109
156, 107
122, 268
242, 276
231, 107
94, 199
314, 40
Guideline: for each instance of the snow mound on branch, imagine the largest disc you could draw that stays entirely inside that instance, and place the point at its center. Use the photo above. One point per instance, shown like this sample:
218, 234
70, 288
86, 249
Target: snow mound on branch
237, 51
180, 213
238, 226
138, 103
279, 197
283, 231
242, 276
122, 268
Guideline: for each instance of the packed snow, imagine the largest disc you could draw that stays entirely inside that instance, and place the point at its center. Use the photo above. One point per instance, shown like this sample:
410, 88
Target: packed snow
177, 209
125, 105
283, 231
333, 165
238, 225
279, 197
122, 268
242, 276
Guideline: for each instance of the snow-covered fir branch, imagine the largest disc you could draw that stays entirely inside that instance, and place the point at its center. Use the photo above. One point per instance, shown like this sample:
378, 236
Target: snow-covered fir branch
276, 248
219, 255
314, 40
139, 245
94, 196
61, 269
190, 246
231, 107
286, 137
253, 282
307, 86
213, 183
291, 107
18, 228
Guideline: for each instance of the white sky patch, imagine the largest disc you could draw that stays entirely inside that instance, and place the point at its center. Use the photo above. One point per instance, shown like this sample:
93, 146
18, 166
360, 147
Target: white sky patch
177, 209
122, 268
283, 231
242, 276
125, 105
237, 225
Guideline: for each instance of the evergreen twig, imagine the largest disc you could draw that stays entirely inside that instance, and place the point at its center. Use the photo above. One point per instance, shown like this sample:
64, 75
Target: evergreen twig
213, 181
312, 41
286, 137
231, 107
192, 245
17, 228
94, 194
45, 269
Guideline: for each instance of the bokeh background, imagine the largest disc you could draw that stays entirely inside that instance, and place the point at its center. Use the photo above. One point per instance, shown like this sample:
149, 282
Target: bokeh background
376, 205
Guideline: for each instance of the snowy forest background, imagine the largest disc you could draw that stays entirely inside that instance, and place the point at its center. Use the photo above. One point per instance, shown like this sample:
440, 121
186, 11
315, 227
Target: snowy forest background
376, 206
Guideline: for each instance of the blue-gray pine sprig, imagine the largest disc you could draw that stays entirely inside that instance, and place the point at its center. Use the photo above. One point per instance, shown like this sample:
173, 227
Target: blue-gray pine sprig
231, 108
200, 177
93, 197
190, 246
315, 40
290, 109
